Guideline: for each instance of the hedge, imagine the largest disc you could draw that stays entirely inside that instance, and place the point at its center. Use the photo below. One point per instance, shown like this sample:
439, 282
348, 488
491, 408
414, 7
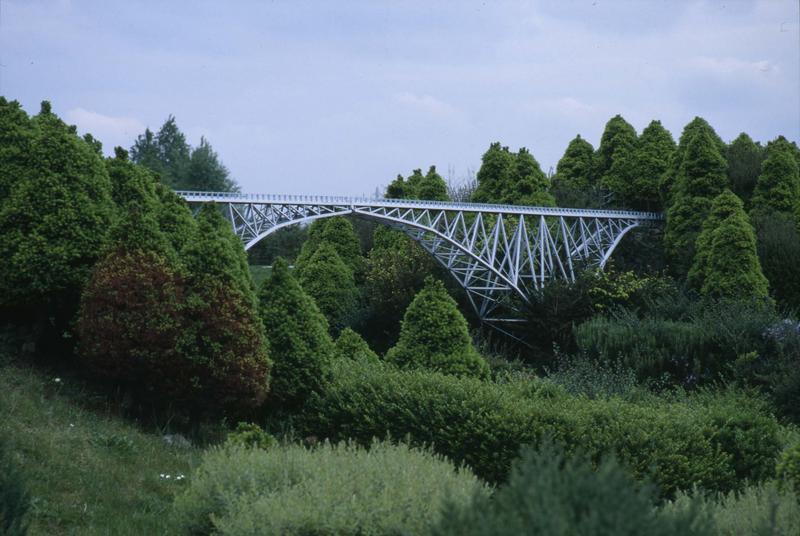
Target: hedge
711, 441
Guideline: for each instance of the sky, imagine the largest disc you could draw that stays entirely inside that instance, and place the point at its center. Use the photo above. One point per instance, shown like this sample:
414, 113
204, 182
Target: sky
337, 98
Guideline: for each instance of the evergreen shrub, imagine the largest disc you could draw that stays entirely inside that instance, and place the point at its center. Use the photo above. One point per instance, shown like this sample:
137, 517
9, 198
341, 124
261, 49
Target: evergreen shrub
351, 345
715, 443
333, 489
548, 493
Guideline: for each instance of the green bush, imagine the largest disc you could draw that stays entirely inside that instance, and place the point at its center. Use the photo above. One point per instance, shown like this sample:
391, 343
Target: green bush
762, 509
250, 435
713, 442
351, 345
14, 498
330, 281
435, 336
789, 468
333, 489
550, 494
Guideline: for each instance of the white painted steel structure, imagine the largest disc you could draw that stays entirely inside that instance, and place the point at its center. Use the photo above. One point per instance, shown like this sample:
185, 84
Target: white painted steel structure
500, 254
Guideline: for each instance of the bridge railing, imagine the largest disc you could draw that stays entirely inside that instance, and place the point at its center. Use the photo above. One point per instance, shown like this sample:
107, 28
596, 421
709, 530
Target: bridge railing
235, 197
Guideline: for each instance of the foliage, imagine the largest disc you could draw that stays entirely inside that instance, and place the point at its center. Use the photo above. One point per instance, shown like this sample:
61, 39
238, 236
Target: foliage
777, 190
594, 378
701, 178
330, 282
511, 179
711, 442
614, 159
744, 158
55, 221
205, 171
431, 187
761, 509
350, 345
174, 218
333, 489
574, 170
651, 160
435, 336
668, 183
778, 243
16, 135
14, 497
130, 183
129, 324
88, 471
298, 335
549, 493
250, 435
789, 468
339, 233
726, 263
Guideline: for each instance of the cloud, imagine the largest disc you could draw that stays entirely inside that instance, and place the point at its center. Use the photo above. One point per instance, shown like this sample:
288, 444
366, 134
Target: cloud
425, 103
108, 129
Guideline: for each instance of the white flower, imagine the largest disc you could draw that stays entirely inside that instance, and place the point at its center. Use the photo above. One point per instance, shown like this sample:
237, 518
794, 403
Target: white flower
57, 380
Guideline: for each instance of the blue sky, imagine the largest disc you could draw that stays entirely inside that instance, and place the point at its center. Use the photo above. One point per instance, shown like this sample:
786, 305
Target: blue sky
340, 97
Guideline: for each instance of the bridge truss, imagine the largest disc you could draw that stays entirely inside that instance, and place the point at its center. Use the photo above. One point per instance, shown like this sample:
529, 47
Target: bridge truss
499, 254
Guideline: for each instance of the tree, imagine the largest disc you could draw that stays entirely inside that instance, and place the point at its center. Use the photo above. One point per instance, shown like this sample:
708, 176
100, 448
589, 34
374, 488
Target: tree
327, 279
350, 345
174, 153
668, 181
223, 331
130, 183
432, 187
511, 178
701, 179
744, 158
55, 221
398, 189
778, 242
651, 160
494, 175
206, 172
174, 218
146, 152
298, 335
614, 158
530, 185
573, 183
339, 233
435, 336
16, 135
726, 263
778, 187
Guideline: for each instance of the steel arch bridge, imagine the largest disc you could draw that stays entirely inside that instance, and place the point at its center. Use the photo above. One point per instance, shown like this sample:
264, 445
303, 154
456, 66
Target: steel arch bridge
499, 254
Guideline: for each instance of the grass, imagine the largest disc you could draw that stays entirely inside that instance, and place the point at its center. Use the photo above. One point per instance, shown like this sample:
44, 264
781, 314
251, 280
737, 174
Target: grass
88, 471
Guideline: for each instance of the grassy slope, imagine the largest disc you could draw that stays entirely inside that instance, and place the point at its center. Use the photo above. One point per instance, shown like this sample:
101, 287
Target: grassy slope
88, 472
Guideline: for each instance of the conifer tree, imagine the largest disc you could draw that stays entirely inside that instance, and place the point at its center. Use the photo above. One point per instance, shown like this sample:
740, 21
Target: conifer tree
339, 233
398, 189
145, 152
130, 183
298, 335
511, 178
494, 175
614, 158
413, 182
55, 222
701, 179
778, 186
16, 135
327, 279
744, 158
205, 171
573, 183
174, 153
174, 217
434, 335
726, 263
350, 345
668, 181
651, 160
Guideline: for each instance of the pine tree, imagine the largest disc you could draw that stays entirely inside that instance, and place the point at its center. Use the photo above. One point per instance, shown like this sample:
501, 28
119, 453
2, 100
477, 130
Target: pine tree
434, 335
778, 186
327, 279
726, 263
702, 178
744, 158
494, 176
205, 172
350, 345
130, 183
529, 183
413, 182
298, 335
145, 152
174, 153
668, 181
55, 222
432, 187
338, 232
614, 158
16, 135
511, 178
174, 217
398, 189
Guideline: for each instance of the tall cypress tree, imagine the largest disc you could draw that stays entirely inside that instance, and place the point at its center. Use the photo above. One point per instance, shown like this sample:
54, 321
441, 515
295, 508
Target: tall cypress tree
338, 232
744, 165
205, 171
435, 336
651, 160
494, 176
614, 157
727, 252
529, 183
573, 183
174, 217
701, 179
668, 181
55, 222
145, 151
130, 183
432, 187
724, 206
298, 335
778, 187
174, 153
327, 279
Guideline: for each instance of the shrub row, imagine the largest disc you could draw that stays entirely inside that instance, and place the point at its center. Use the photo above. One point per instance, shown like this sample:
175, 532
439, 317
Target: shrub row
338, 489
711, 441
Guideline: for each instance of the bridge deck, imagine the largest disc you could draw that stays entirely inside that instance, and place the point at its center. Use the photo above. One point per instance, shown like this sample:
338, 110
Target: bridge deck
266, 199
